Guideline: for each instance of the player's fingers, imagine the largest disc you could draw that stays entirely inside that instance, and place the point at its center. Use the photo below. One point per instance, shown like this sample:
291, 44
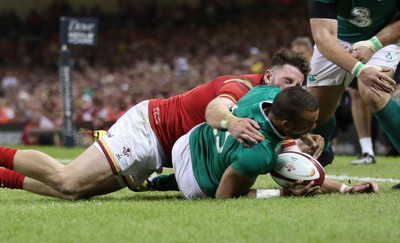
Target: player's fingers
317, 150
386, 83
358, 188
315, 190
309, 185
375, 91
249, 139
374, 187
243, 142
253, 123
257, 136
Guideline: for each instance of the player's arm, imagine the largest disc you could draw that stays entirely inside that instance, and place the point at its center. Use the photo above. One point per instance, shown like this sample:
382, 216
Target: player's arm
363, 50
390, 34
218, 115
324, 26
331, 186
233, 184
292, 189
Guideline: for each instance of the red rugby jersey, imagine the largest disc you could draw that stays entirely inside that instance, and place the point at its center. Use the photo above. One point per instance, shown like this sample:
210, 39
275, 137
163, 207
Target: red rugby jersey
173, 117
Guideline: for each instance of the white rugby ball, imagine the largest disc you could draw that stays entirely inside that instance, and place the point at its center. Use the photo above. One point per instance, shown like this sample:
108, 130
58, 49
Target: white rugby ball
292, 166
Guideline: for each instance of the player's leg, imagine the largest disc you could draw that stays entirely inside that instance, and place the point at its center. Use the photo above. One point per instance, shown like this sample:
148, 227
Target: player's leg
385, 108
163, 183
35, 159
362, 122
327, 83
387, 112
85, 173
37, 187
58, 184
183, 169
328, 98
14, 180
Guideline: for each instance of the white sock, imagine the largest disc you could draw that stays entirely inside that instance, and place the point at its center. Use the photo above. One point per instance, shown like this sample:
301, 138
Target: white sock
366, 146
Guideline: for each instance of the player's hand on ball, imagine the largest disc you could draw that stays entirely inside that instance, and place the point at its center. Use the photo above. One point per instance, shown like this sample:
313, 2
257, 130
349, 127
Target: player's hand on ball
297, 188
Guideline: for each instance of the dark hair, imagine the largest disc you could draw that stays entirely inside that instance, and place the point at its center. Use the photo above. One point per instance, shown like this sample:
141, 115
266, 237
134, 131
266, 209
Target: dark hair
286, 56
302, 41
291, 102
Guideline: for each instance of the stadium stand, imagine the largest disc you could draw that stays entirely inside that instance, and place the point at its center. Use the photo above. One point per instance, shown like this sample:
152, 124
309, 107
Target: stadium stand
146, 51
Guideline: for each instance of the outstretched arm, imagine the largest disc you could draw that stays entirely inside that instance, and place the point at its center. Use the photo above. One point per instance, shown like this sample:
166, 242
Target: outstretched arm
235, 185
331, 186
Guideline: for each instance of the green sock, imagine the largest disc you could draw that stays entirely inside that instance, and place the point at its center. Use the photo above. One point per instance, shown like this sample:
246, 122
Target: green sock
326, 130
164, 183
389, 119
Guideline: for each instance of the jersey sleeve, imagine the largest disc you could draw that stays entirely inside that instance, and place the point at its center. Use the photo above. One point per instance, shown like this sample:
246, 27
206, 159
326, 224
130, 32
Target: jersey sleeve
325, 9
252, 162
234, 89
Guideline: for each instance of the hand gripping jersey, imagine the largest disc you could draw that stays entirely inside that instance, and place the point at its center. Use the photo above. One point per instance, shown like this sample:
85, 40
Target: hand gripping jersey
173, 117
212, 150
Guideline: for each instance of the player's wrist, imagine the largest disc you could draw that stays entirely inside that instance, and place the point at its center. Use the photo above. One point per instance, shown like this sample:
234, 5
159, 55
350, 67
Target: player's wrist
344, 189
377, 45
359, 67
225, 120
373, 44
268, 193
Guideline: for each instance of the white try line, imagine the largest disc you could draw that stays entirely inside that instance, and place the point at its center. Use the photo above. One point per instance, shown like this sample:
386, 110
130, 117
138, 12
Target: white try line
334, 177
64, 161
356, 178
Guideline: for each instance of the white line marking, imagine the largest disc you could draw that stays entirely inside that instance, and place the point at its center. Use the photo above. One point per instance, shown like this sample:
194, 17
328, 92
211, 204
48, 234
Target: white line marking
345, 177
64, 161
340, 177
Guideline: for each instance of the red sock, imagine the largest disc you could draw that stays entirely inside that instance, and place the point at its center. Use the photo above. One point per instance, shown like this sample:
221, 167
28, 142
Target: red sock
11, 179
7, 157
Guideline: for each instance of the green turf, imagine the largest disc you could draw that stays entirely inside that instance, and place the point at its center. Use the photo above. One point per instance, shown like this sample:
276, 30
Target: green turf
125, 216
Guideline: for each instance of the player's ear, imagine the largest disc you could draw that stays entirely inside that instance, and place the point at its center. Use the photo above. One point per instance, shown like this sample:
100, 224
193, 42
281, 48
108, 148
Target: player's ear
267, 77
286, 124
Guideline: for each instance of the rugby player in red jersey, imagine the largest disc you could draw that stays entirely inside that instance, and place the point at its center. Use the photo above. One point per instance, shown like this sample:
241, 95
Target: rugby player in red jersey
140, 142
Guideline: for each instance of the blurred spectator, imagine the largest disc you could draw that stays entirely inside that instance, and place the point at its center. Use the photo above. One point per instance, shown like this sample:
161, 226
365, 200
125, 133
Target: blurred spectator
7, 113
157, 49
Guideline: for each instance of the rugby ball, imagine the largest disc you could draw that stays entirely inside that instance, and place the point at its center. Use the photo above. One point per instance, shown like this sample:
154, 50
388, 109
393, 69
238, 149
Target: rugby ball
292, 166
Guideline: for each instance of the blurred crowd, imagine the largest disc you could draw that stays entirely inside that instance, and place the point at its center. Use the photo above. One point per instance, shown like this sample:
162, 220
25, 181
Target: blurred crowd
144, 51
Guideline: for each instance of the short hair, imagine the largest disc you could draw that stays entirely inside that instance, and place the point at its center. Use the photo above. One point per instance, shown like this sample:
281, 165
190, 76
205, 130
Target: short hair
286, 56
293, 101
302, 41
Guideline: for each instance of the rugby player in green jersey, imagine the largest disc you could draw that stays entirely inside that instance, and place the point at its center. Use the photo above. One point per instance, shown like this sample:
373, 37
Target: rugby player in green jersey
355, 38
211, 163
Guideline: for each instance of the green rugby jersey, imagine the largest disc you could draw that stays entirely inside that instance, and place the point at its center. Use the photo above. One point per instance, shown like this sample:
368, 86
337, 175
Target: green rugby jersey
362, 19
212, 150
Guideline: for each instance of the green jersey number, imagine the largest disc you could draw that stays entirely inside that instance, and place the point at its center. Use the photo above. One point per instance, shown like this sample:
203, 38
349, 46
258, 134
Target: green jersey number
218, 141
361, 17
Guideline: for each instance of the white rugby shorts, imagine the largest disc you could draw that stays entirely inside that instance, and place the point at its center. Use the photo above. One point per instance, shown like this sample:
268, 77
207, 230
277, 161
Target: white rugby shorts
182, 163
325, 73
132, 148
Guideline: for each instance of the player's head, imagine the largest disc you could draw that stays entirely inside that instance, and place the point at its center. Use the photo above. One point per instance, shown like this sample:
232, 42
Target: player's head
294, 112
287, 69
303, 46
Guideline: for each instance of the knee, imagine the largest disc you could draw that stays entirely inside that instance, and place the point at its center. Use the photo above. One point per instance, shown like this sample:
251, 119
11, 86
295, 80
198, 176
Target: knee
354, 94
67, 187
373, 101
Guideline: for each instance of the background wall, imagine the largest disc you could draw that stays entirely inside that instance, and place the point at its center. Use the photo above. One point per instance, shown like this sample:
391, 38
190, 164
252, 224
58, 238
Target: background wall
22, 7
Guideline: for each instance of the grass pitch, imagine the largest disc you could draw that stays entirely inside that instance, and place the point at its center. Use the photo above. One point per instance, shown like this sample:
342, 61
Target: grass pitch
125, 216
